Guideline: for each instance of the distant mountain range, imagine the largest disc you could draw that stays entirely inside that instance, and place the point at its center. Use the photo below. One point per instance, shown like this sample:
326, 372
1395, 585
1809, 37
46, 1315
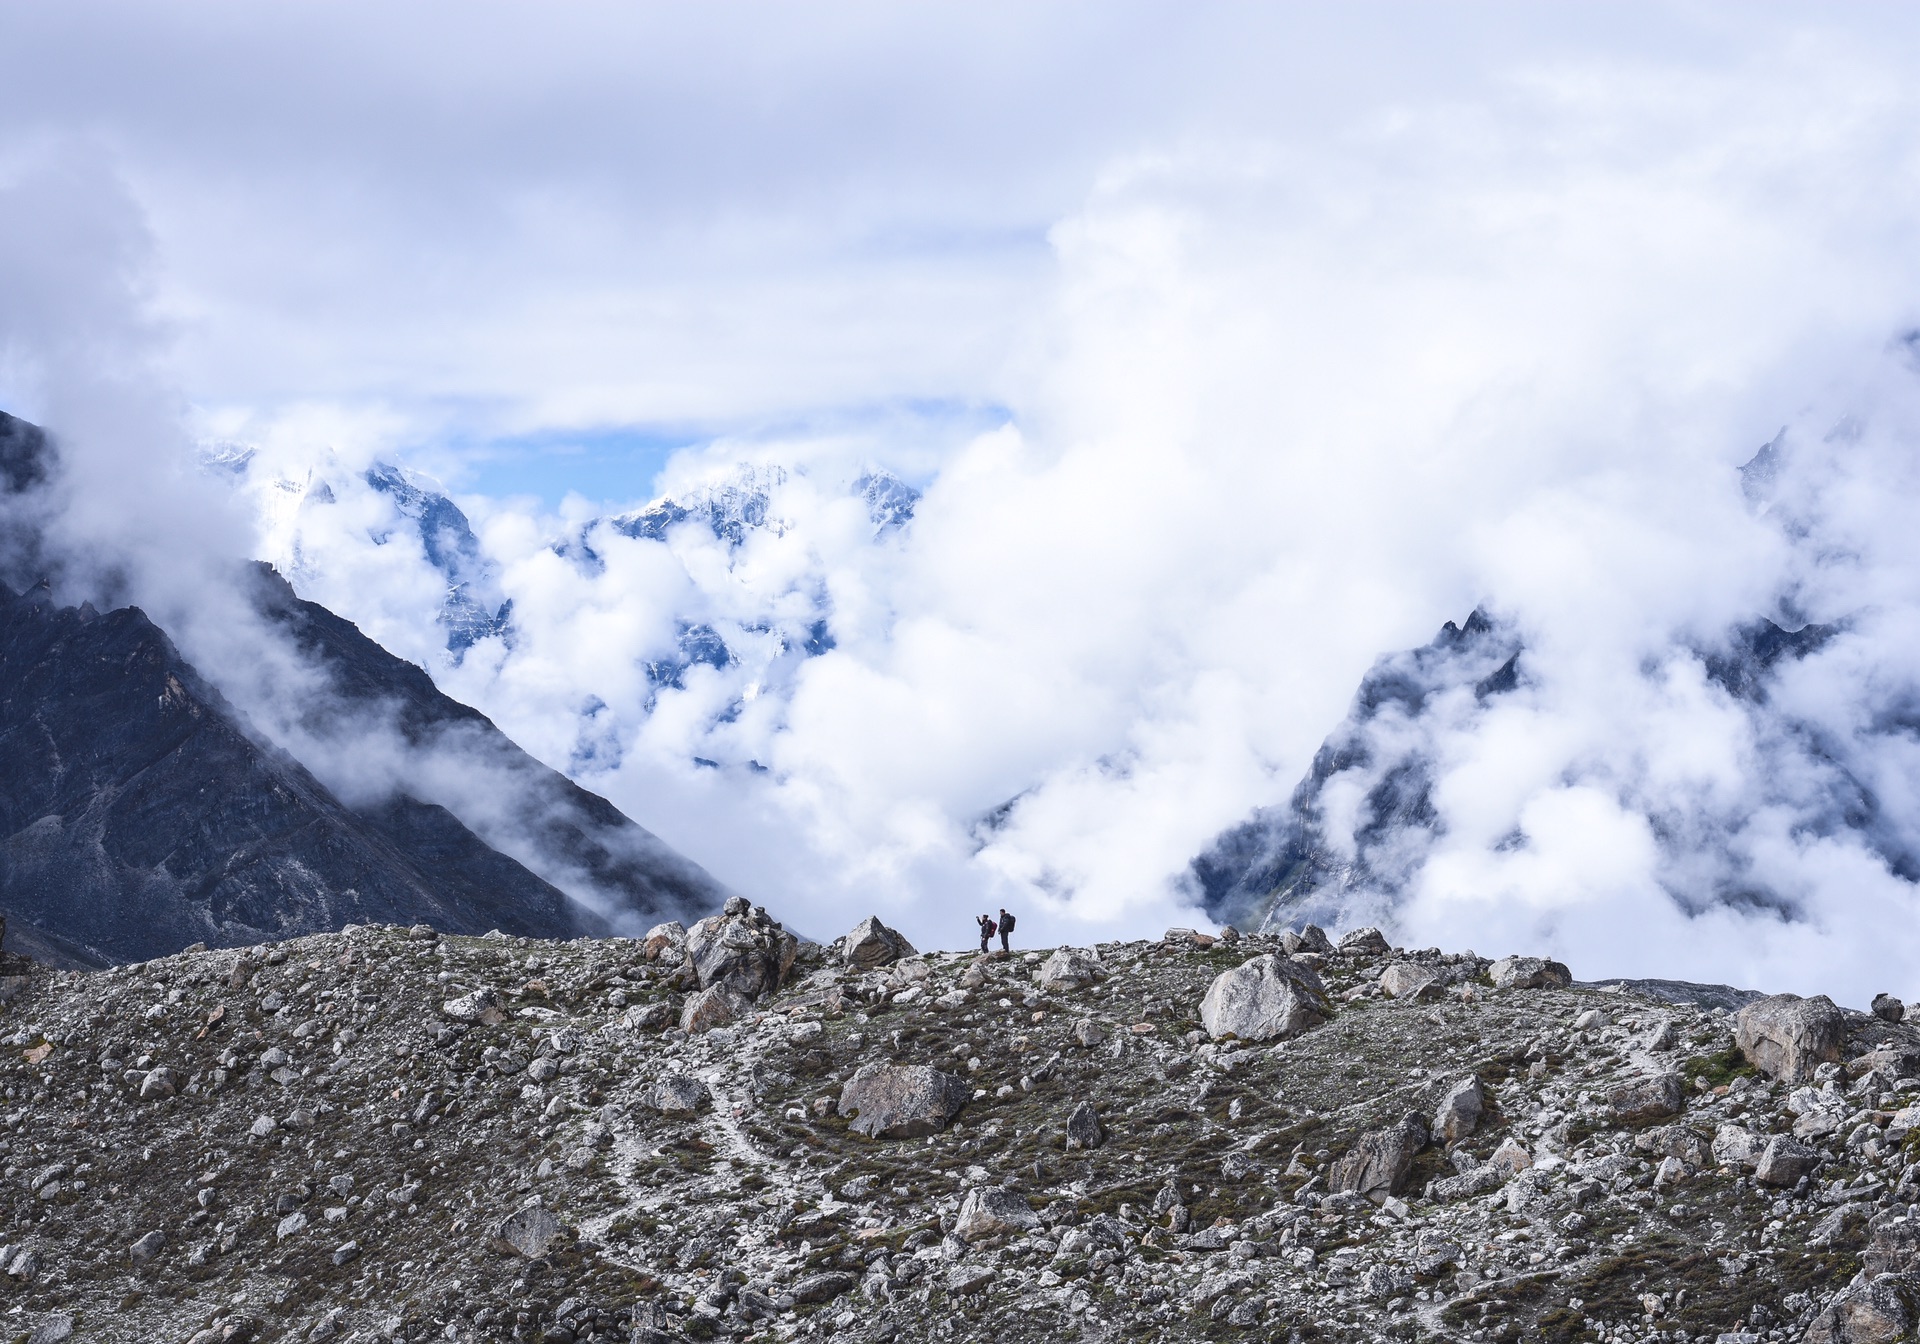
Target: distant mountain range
141, 811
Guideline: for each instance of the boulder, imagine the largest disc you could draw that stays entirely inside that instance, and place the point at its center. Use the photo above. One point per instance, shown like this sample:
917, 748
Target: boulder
480, 1008
1084, 1129
740, 950
710, 1008
822, 1287
871, 944
1459, 1112
1788, 1037
1409, 980
144, 1250
1785, 1161
1875, 1311
1367, 942
1652, 1098
1529, 973
1893, 1248
994, 1212
1267, 999
1888, 1009
677, 1096
667, 940
1379, 1163
1310, 939
530, 1232
1068, 969
1510, 1158
901, 1101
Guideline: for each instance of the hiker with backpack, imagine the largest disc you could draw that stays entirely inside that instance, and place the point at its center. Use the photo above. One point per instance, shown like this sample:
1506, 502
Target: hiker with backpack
1006, 927
987, 929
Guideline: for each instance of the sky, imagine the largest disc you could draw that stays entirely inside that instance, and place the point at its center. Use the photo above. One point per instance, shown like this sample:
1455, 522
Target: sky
1231, 346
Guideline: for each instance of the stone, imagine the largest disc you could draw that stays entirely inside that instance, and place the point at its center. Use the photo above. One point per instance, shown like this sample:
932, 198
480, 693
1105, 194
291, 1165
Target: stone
346, 1253
871, 944
1878, 1311
481, 1007
713, 1007
146, 1248
1737, 1146
1529, 973
1268, 998
964, 1279
1888, 1009
1310, 939
158, 1084
1644, 1099
821, 1287
1785, 1161
741, 950
1510, 1158
678, 1096
53, 1330
901, 1101
1366, 942
667, 940
1067, 968
1084, 1130
1379, 1163
1409, 980
1788, 1037
1090, 1033
1460, 1110
531, 1232
288, 1226
994, 1212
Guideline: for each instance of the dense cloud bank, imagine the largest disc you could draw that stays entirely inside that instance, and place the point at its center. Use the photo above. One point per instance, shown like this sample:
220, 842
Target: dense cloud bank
1288, 397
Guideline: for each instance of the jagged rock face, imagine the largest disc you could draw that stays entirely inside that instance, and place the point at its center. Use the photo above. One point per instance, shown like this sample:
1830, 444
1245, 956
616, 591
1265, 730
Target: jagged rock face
1788, 1037
140, 814
1268, 998
1379, 1164
570, 1166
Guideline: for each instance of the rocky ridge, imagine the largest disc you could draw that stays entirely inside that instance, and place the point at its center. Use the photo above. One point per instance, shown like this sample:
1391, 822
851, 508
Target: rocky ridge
393, 1134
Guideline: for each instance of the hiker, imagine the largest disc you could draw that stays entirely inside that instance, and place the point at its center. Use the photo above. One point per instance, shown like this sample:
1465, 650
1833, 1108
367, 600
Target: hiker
987, 929
1006, 927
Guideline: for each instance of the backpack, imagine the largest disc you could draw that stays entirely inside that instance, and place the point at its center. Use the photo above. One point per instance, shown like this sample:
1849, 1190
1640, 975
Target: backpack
989, 928
1006, 925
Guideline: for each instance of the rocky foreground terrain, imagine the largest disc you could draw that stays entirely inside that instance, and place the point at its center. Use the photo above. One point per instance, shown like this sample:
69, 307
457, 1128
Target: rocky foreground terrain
719, 1133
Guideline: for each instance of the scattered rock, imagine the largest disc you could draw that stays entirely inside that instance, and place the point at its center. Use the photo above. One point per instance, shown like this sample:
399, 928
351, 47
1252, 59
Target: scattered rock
1785, 1161
1529, 973
1888, 1009
148, 1246
1310, 939
1268, 998
678, 1096
1788, 1037
713, 1007
482, 1006
821, 1287
894, 1101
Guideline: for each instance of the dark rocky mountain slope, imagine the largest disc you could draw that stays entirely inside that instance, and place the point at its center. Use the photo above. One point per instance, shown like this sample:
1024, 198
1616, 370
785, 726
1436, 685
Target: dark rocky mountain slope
139, 813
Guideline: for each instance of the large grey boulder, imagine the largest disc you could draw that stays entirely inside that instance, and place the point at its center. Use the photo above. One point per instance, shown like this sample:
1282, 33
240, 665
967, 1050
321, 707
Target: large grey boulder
1379, 1163
871, 944
1068, 969
1366, 942
1269, 998
1738, 1146
677, 1096
1459, 1111
1785, 1161
740, 950
531, 1232
901, 1101
994, 1212
713, 1007
1084, 1129
1313, 938
1648, 1098
1529, 973
1888, 1009
1788, 1037
1409, 980
1876, 1311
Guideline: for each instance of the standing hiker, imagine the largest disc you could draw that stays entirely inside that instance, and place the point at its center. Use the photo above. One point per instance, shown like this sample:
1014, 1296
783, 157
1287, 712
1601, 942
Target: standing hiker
987, 929
1006, 927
